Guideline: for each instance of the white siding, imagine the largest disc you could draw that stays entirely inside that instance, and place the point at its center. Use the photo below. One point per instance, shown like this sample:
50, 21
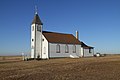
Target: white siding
36, 43
82, 52
53, 53
32, 42
44, 48
87, 54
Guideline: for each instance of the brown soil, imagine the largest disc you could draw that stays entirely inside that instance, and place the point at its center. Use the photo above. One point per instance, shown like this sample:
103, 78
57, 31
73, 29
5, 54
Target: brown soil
100, 68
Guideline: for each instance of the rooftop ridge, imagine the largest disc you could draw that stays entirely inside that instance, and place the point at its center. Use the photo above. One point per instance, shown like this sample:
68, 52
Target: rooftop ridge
57, 32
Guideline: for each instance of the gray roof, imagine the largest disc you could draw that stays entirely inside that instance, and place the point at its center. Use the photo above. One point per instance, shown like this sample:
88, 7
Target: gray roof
37, 20
86, 46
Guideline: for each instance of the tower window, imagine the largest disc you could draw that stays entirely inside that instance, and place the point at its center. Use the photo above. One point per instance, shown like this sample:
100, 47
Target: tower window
32, 39
32, 28
39, 28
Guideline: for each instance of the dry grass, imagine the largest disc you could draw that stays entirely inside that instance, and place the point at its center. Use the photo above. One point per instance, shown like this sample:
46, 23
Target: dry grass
8, 59
101, 68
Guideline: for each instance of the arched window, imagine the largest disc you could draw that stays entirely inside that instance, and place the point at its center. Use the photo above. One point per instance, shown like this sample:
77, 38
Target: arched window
74, 49
57, 48
32, 28
39, 28
66, 48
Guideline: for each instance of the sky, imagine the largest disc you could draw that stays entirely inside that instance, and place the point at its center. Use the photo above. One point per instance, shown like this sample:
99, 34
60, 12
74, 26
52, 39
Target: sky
98, 23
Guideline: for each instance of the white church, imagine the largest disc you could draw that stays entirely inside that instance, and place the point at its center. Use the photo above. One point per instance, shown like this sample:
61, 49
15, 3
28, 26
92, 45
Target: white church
46, 44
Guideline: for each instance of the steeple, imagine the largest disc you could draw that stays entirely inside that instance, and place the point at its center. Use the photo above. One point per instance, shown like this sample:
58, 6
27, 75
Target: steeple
36, 19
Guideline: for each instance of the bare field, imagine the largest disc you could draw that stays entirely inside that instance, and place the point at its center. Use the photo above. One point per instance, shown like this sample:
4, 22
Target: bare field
100, 68
5, 59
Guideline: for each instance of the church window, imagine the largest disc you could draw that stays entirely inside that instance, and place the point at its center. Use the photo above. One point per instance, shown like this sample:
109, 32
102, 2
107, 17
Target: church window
66, 48
38, 28
57, 48
74, 49
90, 51
32, 39
32, 28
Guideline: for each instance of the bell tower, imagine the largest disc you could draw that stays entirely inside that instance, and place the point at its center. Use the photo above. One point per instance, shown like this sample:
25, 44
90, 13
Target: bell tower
36, 37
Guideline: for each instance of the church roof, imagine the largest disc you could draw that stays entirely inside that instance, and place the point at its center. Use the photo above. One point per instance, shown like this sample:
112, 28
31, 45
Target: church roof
86, 46
37, 20
54, 37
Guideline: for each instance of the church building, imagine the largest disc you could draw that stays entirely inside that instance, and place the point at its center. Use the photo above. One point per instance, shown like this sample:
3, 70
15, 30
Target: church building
46, 44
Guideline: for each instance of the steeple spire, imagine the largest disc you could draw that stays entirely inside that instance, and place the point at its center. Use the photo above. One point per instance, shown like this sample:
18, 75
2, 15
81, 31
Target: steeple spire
36, 19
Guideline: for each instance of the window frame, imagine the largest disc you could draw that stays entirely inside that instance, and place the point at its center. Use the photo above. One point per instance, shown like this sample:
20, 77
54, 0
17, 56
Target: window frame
66, 48
32, 28
74, 48
57, 48
39, 28
90, 50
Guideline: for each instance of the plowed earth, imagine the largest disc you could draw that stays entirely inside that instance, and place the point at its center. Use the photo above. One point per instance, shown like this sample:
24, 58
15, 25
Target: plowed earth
95, 68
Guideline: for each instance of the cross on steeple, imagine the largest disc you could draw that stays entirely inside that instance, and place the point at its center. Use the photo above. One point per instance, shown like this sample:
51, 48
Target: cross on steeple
36, 11
36, 19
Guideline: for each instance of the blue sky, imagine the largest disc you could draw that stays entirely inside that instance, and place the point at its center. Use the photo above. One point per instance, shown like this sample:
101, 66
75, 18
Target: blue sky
98, 22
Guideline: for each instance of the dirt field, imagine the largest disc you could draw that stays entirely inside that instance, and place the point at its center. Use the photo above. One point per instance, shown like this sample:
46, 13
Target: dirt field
101, 68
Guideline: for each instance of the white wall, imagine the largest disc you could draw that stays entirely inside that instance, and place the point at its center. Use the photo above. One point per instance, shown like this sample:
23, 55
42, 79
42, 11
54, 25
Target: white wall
87, 54
44, 48
82, 52
32, 42
38, 43
52, 50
